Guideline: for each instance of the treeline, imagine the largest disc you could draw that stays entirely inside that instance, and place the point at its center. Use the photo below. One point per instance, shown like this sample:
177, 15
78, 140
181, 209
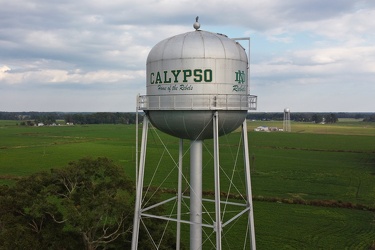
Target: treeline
101, 118
48, 118
311, 117
31, 116
369, 119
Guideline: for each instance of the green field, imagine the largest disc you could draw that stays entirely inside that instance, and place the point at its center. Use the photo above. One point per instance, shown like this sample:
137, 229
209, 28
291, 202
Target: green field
318, 165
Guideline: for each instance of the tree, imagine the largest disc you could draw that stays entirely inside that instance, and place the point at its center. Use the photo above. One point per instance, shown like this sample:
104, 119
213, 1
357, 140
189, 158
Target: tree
369, 119
331, 118
317, 118
97, 199
89, 204
28, 219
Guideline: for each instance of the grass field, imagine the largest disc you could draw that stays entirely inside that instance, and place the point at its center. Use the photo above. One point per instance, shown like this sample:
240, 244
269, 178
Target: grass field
314, 163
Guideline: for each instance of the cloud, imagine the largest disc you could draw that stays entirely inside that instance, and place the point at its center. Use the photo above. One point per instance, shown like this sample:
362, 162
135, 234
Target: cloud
4, 69
87, 47
327, 64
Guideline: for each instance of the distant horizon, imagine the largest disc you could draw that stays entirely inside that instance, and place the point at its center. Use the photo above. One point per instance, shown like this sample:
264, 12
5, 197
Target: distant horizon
305, 55
291, 111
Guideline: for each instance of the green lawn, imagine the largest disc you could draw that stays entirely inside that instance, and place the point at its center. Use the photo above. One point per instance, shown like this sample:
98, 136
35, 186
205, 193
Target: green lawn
344, 127
313, 162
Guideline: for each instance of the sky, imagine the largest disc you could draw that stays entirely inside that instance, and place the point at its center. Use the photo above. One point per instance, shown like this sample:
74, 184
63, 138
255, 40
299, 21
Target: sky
90, 55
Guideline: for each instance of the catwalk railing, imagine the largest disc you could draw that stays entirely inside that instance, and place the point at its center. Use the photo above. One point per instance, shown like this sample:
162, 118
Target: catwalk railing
197, 102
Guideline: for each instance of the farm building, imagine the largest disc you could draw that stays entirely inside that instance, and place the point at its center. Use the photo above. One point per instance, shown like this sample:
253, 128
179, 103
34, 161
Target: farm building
267, 129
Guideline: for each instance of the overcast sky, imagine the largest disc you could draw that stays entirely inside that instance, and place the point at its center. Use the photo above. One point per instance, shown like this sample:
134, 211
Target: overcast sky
90, 55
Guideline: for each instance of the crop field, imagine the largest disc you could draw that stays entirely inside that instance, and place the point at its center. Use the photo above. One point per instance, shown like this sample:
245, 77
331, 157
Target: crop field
313, 188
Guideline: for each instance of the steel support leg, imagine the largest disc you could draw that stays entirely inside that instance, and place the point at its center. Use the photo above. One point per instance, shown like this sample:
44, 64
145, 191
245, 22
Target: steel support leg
218, 222
179, 195
248, 185
138, 199
196, 194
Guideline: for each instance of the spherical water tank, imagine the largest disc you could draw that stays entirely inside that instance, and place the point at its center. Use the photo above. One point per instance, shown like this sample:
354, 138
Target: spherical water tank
192, 75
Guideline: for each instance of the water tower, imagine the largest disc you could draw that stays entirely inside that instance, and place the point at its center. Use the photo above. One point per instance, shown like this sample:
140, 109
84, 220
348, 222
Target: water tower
286, 121
197, 89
